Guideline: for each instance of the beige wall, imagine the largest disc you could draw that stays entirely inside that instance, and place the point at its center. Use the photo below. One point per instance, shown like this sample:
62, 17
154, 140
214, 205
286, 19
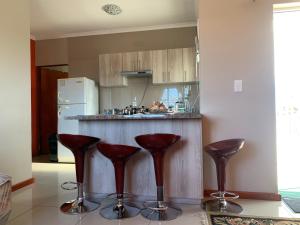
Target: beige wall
52, 52
236, 43
15, 122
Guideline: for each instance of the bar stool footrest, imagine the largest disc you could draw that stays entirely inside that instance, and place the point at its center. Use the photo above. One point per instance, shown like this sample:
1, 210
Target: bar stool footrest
156, 205
64, 185
224, 195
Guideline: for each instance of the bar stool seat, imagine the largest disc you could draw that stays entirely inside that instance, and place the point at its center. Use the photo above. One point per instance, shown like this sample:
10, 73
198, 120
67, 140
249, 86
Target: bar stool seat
221, 152
78, 144
118, 154
157, 144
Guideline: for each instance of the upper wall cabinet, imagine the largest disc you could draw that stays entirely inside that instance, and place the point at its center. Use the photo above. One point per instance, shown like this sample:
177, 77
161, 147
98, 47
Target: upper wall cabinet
137, 61
110, 67
159, 66
145, 60
130, 61
168, 66
189, 64
174, 66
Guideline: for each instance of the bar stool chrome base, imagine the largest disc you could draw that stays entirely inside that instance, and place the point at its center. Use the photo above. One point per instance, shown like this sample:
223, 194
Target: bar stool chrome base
75, 207
220, 203
160, 211
216, 205
119, 210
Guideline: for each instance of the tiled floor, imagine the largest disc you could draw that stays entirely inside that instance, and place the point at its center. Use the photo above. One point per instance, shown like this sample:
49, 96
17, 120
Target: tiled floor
39, 204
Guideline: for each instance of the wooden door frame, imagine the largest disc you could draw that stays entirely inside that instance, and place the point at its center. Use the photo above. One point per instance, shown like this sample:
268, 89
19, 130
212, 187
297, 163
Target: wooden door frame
35, 105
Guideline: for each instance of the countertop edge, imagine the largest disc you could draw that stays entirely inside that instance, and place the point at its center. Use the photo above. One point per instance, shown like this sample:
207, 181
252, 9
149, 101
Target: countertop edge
179, 116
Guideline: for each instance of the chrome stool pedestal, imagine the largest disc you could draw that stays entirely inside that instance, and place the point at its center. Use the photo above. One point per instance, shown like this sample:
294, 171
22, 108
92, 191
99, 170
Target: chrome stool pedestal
118, 154
222, 203
160, 211
119, 209
78, 205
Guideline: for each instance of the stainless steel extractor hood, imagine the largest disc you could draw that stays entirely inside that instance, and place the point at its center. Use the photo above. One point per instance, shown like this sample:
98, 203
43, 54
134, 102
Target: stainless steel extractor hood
144, 73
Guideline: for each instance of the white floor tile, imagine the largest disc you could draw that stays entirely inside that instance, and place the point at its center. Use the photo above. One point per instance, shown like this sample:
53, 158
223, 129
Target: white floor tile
45, 216
264, 208
95, 219
192, 214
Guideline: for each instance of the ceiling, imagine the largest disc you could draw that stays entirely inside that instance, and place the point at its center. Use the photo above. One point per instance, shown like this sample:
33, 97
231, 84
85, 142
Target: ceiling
67, 18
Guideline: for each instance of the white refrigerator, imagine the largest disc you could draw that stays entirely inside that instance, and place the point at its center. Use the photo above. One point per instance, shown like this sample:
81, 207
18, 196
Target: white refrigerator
75, 96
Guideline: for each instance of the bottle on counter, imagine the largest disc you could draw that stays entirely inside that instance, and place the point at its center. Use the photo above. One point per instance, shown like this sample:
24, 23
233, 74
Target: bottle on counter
134, 102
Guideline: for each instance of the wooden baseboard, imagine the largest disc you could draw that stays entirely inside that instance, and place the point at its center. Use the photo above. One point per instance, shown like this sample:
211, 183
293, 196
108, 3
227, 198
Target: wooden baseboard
22, 184
251, 195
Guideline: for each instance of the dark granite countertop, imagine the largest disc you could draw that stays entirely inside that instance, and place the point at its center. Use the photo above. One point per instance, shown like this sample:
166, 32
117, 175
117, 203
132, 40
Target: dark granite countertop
165, 116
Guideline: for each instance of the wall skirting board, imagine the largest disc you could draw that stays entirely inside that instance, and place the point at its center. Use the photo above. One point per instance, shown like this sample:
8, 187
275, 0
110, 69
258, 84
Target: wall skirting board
22, 184
251, 195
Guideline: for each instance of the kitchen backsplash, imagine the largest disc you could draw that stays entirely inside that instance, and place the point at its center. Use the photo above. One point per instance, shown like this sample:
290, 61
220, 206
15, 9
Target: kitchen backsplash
145, 93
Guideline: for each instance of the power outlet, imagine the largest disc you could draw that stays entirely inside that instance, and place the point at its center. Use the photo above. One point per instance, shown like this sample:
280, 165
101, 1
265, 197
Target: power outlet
238, 85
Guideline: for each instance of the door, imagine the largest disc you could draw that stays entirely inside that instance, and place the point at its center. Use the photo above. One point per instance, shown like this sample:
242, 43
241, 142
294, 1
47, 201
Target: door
130, 61
144, 60
48, 105
110, 68
159, 66
104, 70
175, 67
189, 64
116, 78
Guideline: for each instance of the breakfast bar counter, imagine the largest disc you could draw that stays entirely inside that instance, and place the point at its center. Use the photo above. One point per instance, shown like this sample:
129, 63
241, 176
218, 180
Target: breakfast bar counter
183, 162
164, 116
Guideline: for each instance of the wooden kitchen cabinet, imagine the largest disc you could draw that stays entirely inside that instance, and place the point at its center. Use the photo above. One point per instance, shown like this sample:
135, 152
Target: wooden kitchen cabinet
189, 65
144, 60
159, 66
175, 66
130, 61
110, 68
137, 61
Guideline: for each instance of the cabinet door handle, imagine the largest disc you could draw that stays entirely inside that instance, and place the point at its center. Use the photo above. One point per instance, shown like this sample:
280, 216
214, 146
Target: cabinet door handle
164, 76
184, 77
168, 76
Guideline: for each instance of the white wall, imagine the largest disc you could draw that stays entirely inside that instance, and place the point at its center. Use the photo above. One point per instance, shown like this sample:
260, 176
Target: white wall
15, 125
236, 42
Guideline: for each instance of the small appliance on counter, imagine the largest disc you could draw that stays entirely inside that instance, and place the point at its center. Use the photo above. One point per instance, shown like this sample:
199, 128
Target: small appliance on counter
76, 96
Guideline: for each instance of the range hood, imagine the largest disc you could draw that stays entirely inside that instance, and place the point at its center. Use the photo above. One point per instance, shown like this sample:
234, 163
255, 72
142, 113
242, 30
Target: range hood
143, 73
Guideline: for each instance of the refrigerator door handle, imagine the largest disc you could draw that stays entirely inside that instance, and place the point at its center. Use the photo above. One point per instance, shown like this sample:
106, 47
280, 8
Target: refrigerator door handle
59, 99
59, 111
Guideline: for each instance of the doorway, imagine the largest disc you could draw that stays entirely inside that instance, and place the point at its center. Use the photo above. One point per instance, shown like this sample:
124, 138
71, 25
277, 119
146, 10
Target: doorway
47, 111
287, 82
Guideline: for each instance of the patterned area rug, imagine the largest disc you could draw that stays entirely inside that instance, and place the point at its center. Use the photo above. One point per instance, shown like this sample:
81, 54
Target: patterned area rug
250, 220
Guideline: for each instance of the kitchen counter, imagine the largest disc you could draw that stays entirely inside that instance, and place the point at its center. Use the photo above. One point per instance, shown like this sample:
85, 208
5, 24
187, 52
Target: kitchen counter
183, 161
165, 116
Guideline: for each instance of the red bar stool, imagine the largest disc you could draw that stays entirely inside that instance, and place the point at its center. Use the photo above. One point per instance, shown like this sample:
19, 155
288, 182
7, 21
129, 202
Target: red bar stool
221, 152
118, 154
78, 144
157, 144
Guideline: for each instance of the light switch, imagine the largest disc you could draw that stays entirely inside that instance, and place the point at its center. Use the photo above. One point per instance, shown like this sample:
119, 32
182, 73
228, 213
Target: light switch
238, 86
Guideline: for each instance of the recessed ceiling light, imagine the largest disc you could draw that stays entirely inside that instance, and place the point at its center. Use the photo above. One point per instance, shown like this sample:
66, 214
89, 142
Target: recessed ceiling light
112, 9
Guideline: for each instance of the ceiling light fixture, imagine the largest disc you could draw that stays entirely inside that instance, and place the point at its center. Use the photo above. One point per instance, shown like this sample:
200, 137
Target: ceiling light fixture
112, 9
